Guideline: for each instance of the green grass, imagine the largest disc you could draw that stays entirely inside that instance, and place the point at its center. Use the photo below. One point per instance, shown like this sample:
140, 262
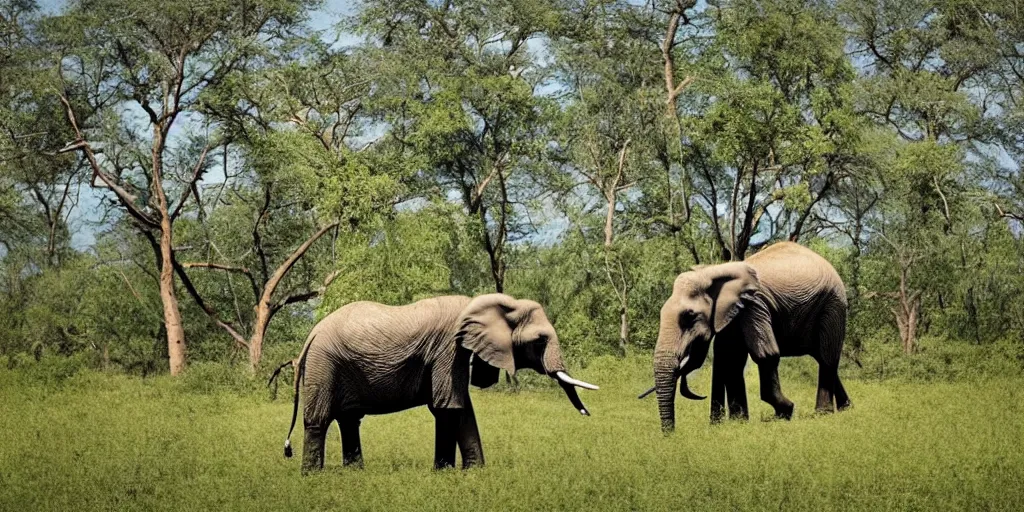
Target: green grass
114, 442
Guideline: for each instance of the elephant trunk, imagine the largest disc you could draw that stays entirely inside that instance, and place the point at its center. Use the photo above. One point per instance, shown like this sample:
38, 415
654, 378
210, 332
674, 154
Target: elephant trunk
667, 369
665, 375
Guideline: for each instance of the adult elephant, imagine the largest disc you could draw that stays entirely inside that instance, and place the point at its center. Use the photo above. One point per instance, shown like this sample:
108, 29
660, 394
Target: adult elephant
369, 358
783, 301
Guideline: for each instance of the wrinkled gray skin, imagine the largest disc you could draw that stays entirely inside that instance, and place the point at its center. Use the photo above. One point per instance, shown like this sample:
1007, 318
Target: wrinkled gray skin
783, 301
369, 358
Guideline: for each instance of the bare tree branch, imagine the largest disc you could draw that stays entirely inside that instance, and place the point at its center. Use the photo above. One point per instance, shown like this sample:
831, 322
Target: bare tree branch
212, 313
312, 294
196, 174
80, 144
271, 286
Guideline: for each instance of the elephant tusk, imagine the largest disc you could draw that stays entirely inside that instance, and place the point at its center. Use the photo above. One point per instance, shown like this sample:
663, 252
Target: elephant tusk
683, 362
564, 377
684, 390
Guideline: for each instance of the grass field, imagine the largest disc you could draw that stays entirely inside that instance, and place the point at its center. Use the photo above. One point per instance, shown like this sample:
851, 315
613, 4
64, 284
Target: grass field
113, 442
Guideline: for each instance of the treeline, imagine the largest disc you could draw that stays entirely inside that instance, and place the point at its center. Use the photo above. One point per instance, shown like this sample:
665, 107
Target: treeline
250, 174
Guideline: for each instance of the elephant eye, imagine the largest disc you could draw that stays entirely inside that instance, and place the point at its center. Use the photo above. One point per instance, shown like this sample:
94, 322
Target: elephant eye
687, 318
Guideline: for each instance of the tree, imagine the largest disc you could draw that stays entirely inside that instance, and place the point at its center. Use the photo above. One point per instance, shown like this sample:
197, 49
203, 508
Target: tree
40, 186
159, 58
930, 77
780, 130
604, 132
298, 178
461, 98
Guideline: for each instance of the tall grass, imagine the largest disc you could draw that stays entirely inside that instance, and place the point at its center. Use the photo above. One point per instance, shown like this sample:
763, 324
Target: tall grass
209, 441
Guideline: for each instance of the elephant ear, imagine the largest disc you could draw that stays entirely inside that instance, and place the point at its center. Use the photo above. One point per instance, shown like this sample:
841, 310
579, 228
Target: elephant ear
731, 285
486, 329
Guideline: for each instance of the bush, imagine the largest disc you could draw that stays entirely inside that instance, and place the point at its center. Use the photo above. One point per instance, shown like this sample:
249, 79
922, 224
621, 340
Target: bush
49, 370
939, 359
210, 378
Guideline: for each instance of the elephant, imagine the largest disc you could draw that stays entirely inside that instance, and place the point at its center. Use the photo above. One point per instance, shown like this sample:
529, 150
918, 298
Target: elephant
369, 358
784, 301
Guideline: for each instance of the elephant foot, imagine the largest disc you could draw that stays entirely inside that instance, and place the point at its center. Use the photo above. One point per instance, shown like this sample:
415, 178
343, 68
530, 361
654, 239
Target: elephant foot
717, 415
740, 416
313, 449
356, 463
441, 465
311, 470
844, 406
784, 411
467, 464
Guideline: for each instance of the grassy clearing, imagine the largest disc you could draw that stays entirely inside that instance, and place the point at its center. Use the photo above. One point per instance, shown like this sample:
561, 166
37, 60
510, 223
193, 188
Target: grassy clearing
114, 442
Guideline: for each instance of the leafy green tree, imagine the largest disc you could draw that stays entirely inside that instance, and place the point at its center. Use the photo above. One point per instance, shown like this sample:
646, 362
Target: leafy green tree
158, 58
780, 130
301, 172
460, 96
39, 187
603, 135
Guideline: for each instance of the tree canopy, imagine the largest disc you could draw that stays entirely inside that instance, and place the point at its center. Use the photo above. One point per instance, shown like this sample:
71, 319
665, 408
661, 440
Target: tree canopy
242, 174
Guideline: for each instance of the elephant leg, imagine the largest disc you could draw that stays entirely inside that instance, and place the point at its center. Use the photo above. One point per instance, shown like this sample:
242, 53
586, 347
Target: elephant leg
468, 438
831, 333
826, 388
313, 446
727, 379
736, 391
351, 447
771, 390
446, 425
719, 375
735, 387
842, 399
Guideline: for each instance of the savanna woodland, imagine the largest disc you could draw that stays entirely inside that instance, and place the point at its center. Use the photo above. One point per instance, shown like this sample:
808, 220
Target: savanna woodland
186, 187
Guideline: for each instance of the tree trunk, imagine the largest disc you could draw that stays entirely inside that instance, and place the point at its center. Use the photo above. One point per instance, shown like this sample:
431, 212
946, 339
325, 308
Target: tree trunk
853, 333
172, 315
907, 312
906, 320
609, 218
623, 327
259, 332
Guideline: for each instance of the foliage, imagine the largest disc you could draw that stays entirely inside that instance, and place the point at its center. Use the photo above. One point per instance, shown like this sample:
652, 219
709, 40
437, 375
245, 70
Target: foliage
580, 153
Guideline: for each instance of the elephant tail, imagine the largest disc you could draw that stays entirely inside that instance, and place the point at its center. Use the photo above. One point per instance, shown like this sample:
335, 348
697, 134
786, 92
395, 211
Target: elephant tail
300, 365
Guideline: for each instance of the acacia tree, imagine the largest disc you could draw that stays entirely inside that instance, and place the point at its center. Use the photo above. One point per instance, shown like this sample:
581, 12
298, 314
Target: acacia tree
607, 132
935, 74
460, 98
775, 127
155, 61
678, 75
42, 185
298, 173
